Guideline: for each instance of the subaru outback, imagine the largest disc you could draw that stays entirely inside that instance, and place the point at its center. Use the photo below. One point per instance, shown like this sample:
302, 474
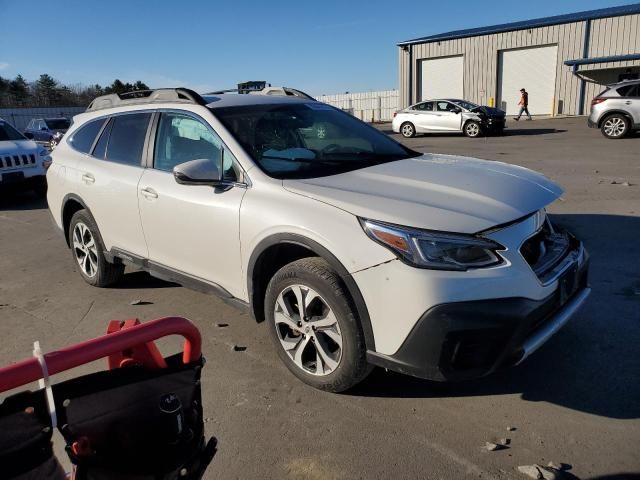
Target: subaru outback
355, 250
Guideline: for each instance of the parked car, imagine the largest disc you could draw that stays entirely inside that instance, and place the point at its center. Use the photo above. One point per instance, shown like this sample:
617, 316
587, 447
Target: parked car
616, 111
22, 162
47, 130
448, 115
355, 250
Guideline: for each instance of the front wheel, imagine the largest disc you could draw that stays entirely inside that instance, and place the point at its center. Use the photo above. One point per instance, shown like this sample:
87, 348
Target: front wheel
314, 326
88, 252
615, 126
472, 129
407, 130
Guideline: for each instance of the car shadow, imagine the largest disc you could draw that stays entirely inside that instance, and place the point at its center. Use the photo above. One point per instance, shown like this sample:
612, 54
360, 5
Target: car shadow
16, 200
141, 280
591, 365
511, 132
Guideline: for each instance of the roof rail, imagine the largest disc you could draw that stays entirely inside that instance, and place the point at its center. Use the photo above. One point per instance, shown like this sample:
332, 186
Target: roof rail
140, 97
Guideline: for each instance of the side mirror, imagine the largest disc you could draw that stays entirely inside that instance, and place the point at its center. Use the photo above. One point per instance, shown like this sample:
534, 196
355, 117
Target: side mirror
44, 129
29, 135
202, 171
457, 110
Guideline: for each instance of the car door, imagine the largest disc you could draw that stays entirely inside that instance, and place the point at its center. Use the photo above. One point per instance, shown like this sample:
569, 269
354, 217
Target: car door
109, 177
632, 102
448, 117
28, 132
192, 229
424, 116
37, 133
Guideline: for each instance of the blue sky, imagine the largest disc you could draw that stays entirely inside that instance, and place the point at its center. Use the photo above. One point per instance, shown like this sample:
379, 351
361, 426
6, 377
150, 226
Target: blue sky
320, 47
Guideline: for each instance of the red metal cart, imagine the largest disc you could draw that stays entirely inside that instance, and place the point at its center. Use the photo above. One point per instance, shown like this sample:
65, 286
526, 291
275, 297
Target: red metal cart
144, 420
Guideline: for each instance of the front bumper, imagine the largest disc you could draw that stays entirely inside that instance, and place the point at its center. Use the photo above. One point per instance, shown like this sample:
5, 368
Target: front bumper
469, 339
493, 124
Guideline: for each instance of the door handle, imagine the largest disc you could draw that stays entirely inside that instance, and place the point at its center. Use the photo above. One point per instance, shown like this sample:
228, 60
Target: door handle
88, 178
149, 192
628, 102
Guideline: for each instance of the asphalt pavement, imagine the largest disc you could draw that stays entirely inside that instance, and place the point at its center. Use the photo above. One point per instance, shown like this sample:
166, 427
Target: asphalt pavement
575, 402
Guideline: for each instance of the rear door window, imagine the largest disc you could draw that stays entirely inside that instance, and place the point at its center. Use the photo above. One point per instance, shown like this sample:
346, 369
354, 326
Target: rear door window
426, 106
82, 140
126, 140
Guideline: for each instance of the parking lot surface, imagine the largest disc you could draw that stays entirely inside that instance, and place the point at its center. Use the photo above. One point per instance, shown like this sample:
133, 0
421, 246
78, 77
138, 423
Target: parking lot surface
576, 401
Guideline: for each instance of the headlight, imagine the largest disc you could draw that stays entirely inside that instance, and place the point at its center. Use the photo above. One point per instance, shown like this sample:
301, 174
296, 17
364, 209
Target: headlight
439, 251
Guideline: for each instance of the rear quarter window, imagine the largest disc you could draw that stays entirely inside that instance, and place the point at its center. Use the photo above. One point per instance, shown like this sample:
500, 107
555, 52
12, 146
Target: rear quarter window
82, 140
126, 140
626, 91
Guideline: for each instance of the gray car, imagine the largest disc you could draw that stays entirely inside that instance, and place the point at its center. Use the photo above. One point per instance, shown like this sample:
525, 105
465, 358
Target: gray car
616, 111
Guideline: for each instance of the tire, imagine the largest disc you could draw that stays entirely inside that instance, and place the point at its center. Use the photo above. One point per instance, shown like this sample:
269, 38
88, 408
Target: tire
407, 130
615, 126
472, 129
84, 238
338, 334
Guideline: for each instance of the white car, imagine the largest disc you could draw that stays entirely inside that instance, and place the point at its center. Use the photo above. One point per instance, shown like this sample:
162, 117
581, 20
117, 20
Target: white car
354, 249
448, 115
23, 163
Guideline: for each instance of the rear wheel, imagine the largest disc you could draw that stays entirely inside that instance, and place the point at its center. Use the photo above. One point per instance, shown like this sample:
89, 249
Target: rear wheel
472, 129
615, 126
407, 130
314, 326
88, 252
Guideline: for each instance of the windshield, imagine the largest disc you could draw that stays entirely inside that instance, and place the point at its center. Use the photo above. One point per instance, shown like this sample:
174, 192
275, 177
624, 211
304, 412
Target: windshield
7, 132
57, 123
307, 140
466, 105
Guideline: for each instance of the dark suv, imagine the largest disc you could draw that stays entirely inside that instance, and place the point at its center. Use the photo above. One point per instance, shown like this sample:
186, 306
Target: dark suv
47, 130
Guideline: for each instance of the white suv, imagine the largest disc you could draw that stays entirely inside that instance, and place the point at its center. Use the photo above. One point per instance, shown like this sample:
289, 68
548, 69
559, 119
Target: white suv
355, 250
22, 162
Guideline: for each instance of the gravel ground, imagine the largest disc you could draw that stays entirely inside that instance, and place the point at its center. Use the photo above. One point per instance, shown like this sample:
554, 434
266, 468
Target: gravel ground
576, 401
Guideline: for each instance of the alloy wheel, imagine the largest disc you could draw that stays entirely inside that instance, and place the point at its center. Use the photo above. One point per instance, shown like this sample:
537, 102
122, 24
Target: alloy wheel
85, 250
614, 127
407, 130
473, 129
308, 330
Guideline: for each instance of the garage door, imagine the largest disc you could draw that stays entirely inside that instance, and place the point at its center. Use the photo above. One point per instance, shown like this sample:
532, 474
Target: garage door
533, 69
442, 77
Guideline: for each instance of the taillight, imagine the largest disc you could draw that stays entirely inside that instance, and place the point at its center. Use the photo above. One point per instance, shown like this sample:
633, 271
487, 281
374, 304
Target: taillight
596, 101
394, 114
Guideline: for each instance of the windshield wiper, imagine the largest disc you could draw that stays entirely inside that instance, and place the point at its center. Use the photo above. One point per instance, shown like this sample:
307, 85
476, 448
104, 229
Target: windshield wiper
298, 160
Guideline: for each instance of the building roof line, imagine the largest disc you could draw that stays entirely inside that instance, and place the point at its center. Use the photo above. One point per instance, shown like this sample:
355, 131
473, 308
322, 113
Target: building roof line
526, 24
593, 60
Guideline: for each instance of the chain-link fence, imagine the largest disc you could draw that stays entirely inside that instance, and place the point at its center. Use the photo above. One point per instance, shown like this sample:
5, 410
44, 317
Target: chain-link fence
20, 117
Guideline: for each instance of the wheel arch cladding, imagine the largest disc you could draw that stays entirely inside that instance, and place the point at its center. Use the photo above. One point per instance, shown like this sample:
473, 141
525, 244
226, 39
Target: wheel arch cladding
615, 112
70, 205
274, 252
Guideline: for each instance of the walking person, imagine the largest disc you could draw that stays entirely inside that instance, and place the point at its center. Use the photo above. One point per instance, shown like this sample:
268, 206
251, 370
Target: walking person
524, 104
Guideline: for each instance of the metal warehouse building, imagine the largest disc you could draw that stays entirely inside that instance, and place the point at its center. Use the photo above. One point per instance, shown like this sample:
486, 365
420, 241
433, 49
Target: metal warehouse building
562, 61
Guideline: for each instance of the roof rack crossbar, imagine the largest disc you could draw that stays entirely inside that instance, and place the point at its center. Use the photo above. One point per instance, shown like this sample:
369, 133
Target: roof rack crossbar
138, 97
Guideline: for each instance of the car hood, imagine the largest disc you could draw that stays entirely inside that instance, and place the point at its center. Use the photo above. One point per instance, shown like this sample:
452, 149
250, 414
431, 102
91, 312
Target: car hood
11, 147
436, 192
489, 111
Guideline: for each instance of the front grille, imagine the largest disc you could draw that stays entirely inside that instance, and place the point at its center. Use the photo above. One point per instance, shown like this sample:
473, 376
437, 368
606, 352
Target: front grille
544, 250
16, 161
